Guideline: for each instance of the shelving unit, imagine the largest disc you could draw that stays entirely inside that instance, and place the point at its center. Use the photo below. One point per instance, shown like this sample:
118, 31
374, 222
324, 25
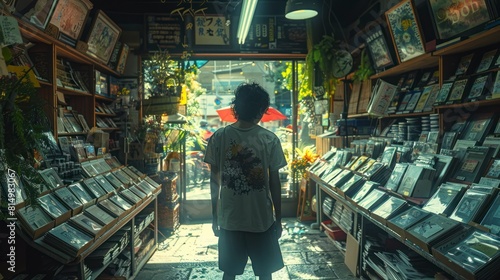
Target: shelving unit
45, 53
446, 60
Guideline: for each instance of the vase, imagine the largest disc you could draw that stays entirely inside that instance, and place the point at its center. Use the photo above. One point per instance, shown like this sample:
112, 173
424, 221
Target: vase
160, 105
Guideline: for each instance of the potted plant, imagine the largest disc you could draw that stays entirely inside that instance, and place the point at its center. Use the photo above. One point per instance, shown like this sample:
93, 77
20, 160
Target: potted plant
163, 78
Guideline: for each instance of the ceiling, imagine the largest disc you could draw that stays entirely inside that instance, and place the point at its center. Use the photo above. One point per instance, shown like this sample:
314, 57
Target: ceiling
130, 12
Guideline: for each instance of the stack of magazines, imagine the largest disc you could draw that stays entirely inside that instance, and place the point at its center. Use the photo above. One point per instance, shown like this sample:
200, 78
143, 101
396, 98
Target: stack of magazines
68, 239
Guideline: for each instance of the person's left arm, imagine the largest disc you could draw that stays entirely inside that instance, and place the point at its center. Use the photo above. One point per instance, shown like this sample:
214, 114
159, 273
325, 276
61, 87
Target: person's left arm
275, 188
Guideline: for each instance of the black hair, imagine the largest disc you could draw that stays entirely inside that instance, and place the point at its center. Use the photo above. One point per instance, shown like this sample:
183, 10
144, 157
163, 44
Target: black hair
250, 101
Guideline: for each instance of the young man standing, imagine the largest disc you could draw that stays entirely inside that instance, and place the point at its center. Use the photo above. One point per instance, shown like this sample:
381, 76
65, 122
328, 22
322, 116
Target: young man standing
245, 159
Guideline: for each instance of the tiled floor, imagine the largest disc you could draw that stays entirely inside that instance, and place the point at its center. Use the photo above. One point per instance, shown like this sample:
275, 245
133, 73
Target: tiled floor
191, 253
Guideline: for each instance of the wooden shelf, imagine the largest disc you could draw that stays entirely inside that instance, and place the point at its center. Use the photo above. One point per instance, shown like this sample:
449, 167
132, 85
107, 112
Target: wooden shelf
426, 60
73, 92
470, 105
479, 40
104, 114
395, 116
105, 98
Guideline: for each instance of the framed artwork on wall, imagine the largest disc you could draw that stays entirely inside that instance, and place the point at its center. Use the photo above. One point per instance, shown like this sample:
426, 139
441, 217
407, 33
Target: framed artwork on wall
70, 17
104, 34
37, 12
405, 31
380, 51
122, 59
211, 30
453, 18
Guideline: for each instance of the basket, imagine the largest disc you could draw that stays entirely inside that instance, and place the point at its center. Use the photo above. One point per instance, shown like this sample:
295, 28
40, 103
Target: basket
334, 231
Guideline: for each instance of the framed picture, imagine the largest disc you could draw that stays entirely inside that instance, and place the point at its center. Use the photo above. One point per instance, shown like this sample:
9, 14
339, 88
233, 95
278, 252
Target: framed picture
211, 30
379, 49
405, 31
38, 12
122, 59
450, 22
104, 34
70, 17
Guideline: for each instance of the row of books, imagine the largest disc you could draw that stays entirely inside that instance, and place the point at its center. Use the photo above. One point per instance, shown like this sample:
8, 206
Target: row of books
387, 99
68, 77
71, 122
71, 218
104, 108
453, 206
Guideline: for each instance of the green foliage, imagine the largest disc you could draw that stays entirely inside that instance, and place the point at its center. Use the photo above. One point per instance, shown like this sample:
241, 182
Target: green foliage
365, 69
323, 54
22, 123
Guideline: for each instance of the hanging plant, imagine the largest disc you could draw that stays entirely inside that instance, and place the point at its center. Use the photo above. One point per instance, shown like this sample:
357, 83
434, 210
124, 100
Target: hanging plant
323, 54
365, 69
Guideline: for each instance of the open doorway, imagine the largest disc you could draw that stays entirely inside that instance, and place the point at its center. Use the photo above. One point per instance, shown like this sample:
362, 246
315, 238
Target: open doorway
207, 110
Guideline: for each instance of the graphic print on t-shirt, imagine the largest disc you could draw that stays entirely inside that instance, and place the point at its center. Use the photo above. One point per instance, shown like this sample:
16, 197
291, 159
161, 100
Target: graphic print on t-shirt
243, 171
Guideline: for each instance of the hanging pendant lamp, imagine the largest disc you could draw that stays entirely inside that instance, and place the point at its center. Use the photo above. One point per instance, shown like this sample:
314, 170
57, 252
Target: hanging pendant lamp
300, 9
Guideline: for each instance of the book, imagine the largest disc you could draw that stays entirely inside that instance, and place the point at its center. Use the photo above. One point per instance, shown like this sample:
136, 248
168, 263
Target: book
111, 208
381, 98
373, 199
366, 188
486, 61
417, 181
404, 102
491, 219
389, 208
444, 200
494, 169
79, 191
68, 239
473, 164
410, 81
34, 220
431, 99
104, 183
481, 88
129, 196
475, 251
409, 217
463, 65
495, 92
117, 184
358, 163
449, 139
479, 126
396, 176
51, 178
458, 90
412, 103
388, 156
469, 206
52, 206
94, 188
427, 231
120, 202
68, 198
87, 225
99, 215
426, 91
443, 93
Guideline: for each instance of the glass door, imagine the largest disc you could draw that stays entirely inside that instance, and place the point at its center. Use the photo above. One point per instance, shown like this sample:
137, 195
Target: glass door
208, 101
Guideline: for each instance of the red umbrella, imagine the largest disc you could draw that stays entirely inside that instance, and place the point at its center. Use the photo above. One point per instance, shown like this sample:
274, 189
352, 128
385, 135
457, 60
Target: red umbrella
272, 114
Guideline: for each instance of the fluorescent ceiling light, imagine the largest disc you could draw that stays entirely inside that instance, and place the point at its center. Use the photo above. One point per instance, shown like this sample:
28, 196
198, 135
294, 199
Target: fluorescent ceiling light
247, 11
300, 9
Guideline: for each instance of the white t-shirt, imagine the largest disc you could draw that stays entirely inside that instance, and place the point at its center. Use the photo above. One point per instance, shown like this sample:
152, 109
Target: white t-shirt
245, 202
